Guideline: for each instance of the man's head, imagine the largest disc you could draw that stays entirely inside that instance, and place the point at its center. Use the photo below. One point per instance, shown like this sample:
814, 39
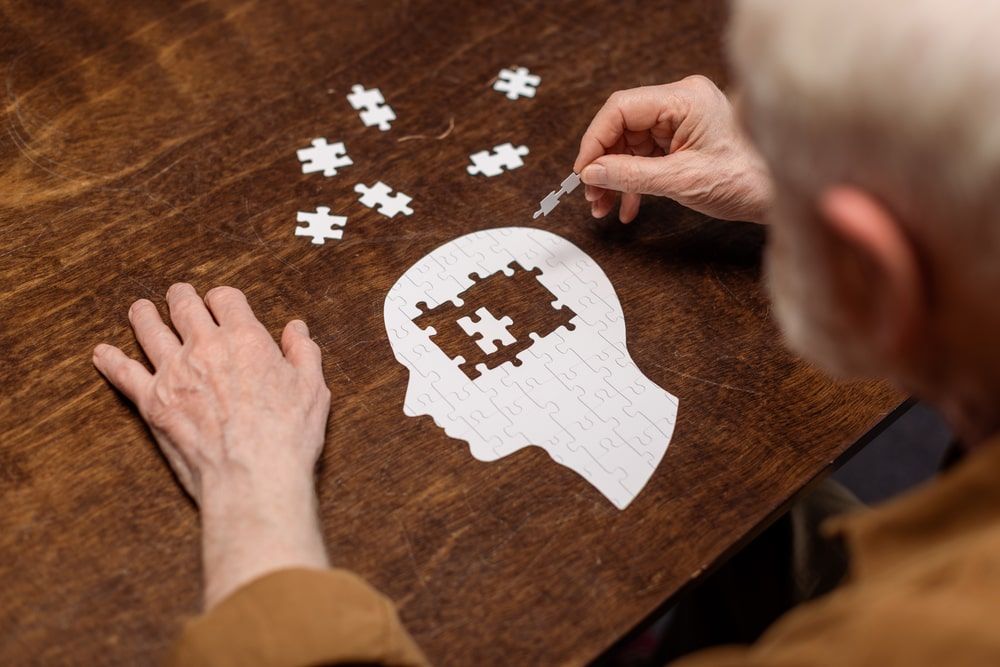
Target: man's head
515, 337
880, 122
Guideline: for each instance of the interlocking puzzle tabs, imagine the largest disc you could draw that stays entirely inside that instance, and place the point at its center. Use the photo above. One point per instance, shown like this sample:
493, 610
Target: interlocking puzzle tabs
515, 337
527, 311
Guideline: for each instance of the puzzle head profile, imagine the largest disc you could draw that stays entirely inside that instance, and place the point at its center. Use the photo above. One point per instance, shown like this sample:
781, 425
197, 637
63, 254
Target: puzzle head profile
549, 368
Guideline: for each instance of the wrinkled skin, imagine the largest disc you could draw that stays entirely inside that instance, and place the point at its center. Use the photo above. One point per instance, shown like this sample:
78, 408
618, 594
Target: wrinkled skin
679, 140
241, 422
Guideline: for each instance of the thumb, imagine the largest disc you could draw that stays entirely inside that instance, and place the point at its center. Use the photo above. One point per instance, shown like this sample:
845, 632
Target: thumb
631, 173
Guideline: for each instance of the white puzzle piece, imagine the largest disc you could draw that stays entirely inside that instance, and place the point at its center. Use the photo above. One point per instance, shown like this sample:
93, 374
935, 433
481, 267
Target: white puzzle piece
324, 157
320, 225
378, 195
505, 156
551, 200
517, 83
569, 387
374, 110
491, 330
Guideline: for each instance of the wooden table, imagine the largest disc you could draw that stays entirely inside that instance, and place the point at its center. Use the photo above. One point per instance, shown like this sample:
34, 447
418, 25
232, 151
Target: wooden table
147, 143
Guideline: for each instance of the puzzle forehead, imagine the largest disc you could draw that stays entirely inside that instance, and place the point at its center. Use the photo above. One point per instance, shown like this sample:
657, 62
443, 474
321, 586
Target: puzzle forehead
560, 378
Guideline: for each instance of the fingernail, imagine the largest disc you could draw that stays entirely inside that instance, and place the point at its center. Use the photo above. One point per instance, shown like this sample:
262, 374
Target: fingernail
99, 350
590, 193
301, 327
595, 174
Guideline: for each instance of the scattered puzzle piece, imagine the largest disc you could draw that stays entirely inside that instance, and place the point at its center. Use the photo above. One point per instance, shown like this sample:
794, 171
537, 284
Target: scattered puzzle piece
320, 225
551, 200
324, 157
517, 83
371, 103
505, 156
490, 330
378, 195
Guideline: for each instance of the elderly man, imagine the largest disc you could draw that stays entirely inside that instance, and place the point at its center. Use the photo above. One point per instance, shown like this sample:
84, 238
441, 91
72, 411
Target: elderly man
872, 149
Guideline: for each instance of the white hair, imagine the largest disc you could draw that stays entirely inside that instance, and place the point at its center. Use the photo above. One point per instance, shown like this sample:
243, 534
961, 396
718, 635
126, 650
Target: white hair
899, 97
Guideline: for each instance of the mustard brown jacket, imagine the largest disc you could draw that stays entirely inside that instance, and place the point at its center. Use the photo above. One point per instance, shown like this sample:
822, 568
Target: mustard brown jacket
923, 589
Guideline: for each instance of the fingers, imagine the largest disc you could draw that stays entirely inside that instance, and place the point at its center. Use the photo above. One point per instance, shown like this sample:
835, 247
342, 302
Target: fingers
631, 173
630, 207
592, 193
187, 311
127, 375
229, 306
627, 115
301, 350
604, 204
157, 340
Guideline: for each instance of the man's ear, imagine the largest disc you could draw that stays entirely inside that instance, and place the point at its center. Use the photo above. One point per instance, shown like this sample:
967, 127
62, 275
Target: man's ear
884, 290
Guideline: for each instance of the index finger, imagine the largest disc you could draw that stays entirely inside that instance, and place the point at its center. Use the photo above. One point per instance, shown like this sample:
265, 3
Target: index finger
634, 110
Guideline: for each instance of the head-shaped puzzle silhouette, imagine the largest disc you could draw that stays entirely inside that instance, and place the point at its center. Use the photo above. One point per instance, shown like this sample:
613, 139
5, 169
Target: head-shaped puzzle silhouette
515, 337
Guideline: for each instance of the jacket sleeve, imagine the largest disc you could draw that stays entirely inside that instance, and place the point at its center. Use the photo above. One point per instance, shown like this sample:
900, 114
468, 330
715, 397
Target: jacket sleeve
298, 617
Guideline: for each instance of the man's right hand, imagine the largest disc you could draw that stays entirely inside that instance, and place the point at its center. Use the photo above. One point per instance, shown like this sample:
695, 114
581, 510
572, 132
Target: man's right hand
679, 140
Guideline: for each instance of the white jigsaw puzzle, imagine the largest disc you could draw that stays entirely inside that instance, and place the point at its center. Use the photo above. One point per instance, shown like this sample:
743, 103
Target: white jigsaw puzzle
324, 157
320, 225
505, 156
517, 83
371, 104
572, 390
551, 200
491, 330
378, 195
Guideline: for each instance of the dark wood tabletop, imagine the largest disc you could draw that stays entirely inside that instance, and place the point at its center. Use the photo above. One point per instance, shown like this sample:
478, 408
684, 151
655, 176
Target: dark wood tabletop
145, 143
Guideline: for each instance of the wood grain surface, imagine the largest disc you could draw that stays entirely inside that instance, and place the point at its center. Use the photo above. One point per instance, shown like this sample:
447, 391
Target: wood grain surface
144, 143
